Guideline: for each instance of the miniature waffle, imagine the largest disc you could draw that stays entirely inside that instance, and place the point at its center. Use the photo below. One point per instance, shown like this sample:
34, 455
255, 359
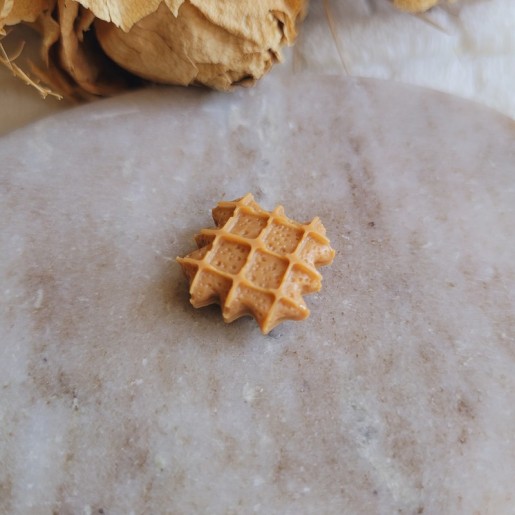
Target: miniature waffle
257, 263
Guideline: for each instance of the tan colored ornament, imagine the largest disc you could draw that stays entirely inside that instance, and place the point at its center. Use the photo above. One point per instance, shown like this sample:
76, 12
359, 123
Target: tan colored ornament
258, 263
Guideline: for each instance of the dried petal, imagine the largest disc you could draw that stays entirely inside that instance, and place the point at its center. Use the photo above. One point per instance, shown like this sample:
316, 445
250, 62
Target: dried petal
125, 13
13, 12
74, 64
80, 58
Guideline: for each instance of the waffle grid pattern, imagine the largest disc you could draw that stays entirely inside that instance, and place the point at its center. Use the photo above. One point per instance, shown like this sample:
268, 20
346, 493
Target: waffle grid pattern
257, 263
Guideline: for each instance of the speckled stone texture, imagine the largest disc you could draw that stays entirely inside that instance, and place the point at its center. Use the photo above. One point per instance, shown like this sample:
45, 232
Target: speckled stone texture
395, 396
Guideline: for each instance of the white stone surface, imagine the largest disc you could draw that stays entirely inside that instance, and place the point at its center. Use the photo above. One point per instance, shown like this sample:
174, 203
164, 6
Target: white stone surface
396, 396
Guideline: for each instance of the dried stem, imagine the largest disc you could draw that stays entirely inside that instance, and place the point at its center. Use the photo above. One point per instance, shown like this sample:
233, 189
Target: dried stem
334, 34
9, 63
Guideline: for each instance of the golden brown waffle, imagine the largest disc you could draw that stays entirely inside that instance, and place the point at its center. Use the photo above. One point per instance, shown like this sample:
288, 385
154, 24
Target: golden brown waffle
257, 262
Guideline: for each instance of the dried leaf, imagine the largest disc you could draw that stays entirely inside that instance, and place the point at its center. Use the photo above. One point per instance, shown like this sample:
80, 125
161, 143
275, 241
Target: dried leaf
81, 61
254, 21
74, 63
13, 12
126, 13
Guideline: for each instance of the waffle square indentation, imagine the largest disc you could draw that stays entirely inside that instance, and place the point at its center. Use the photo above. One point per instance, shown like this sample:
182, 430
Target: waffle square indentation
299, 282
257, 302
282, 239
313, 251
266, 270
257, 262
212, 286
249, 226
230, 256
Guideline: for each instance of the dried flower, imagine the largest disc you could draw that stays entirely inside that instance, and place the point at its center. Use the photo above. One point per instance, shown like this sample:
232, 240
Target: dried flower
99, 47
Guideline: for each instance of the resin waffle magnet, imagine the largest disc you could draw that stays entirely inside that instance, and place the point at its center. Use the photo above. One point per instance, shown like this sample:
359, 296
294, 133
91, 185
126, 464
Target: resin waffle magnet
256, 262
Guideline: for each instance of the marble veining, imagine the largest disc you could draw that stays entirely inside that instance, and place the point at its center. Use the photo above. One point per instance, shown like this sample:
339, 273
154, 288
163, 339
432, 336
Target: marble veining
395, 396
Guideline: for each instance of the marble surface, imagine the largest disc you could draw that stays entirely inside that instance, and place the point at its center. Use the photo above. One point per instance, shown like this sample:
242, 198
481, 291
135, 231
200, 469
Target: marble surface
395, 396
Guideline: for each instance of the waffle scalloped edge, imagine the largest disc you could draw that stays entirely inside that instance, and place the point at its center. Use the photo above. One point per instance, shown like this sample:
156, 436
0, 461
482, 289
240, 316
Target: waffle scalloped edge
257, 262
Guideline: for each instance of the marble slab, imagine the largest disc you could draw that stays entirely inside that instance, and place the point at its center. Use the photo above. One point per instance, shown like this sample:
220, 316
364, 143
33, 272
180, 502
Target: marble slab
395, 396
